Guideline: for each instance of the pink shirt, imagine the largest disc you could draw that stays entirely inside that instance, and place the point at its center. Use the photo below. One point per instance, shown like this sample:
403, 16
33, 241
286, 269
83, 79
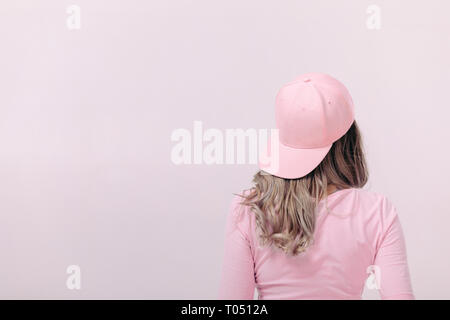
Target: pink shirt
361, 230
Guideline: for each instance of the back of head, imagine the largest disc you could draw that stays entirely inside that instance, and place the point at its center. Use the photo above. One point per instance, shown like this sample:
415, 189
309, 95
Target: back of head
285, 208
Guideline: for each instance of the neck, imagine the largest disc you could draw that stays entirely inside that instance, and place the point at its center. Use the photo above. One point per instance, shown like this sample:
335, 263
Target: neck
331, 188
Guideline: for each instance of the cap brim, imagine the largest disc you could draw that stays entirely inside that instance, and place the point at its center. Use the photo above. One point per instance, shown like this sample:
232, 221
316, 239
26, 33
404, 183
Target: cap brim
291, 163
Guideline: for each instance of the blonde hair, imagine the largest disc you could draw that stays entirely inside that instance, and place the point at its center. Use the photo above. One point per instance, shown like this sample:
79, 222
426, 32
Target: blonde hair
285, 209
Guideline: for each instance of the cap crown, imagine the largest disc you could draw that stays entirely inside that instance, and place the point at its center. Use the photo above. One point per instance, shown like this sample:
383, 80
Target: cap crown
313, 111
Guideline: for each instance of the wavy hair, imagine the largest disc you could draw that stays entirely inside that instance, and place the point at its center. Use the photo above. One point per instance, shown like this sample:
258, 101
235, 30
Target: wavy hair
285, 209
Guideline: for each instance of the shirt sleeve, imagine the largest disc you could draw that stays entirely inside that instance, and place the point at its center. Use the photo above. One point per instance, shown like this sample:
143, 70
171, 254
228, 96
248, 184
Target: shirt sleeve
391, 259
238, 277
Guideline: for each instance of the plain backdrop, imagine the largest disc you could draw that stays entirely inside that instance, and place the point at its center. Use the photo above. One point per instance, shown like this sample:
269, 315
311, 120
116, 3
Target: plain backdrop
86, 117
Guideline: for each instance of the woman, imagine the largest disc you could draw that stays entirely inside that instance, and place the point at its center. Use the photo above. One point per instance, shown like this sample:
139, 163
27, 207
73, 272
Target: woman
307, 230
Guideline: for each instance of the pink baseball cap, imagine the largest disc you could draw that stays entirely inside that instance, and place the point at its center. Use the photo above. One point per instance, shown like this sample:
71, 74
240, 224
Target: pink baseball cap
311, 112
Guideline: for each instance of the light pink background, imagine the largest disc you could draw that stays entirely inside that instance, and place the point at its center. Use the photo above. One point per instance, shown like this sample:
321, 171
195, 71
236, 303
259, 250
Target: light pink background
86, 118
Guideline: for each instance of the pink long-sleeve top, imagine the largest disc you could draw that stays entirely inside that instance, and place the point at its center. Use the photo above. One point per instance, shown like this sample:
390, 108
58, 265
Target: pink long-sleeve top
360, 232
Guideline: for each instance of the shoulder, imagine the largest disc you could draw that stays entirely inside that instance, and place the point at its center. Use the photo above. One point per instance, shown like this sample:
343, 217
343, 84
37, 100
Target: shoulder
238, 208
376, 205
371, 198
369, 195
239, 214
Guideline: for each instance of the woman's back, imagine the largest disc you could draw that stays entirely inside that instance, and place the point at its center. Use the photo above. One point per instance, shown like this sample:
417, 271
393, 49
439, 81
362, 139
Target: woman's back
283, 239
359, 232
